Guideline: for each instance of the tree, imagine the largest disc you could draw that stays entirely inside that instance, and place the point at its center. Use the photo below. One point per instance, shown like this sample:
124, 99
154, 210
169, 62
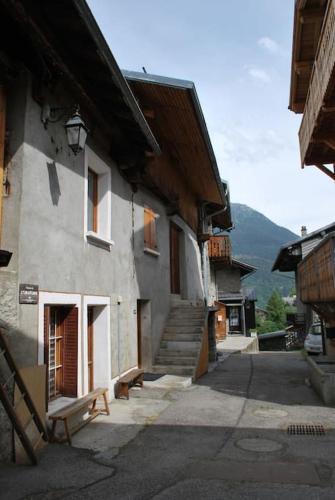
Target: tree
276, 310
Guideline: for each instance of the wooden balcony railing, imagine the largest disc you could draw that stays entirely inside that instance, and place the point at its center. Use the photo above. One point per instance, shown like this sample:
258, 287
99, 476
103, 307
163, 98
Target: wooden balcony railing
322, 73
219, 249
316, 274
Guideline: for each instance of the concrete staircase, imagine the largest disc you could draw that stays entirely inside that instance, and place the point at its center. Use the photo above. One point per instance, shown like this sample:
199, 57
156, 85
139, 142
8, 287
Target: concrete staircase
181, 340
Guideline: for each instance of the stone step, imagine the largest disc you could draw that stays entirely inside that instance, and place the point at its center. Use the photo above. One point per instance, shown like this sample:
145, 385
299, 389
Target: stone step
185, 322
181, 337
180, 345
190, 353
174, 370
183, 329
187, 317
173, 360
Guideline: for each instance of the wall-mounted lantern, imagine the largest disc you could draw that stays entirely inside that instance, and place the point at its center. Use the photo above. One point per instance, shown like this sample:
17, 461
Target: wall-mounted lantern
76, 130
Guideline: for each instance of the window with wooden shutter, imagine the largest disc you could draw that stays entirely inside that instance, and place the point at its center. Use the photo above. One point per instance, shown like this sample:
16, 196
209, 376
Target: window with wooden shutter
150, 237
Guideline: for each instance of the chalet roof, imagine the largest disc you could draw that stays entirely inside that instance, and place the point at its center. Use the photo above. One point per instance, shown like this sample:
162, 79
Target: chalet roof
179, 125
290, 254
308, 19
271, 335
61, 39
243, 267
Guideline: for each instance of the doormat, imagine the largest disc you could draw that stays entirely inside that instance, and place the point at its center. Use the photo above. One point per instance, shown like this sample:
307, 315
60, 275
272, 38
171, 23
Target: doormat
151, 377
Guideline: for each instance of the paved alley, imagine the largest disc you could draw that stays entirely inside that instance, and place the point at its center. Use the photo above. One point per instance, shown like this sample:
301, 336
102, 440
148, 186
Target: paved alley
223, 437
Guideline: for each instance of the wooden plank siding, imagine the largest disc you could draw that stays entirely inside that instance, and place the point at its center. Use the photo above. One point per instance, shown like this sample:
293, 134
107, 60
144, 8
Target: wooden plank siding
183, 174
219, 249
317, 128
316, 274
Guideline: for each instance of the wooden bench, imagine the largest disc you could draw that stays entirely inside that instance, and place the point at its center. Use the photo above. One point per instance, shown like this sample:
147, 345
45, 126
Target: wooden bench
134, 377
86, 402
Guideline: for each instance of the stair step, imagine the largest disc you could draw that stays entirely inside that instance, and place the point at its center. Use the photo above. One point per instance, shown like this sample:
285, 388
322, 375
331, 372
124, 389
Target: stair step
189, 353
174, 370
185, 322
181, 337
184, 329
180, 345
173, 360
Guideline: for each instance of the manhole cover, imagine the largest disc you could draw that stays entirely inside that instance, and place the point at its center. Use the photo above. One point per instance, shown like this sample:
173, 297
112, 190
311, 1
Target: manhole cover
305, 430
270, 413
259, 445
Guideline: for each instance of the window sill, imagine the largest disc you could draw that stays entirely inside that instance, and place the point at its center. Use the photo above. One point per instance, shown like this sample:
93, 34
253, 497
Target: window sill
150, 251
99, 241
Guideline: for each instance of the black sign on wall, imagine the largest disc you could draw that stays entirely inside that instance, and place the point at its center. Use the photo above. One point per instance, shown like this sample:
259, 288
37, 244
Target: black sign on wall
28, 294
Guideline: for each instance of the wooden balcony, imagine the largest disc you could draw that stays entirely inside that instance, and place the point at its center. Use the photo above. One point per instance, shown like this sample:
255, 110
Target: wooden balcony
317, 131
219, 249
316, 277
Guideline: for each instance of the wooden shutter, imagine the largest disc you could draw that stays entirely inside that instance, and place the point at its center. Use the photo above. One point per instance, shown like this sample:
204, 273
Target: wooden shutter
150, 240
70, 353
46, 351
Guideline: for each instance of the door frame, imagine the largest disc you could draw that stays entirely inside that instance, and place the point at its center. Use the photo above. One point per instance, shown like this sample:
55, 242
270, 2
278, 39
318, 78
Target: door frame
60, 299
174, 227
92, 301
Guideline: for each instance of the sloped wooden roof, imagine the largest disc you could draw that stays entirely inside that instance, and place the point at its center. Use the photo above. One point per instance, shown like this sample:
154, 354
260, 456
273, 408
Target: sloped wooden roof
175, 116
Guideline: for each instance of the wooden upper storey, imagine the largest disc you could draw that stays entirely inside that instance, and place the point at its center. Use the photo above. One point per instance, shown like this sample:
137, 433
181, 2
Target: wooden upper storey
308, 19
186, 173
316, 273
219, 249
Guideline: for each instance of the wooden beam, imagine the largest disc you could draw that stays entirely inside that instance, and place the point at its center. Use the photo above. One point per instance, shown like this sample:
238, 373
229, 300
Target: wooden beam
303, 67
2, 146
311, 15
326, 171
148, 113
329, 142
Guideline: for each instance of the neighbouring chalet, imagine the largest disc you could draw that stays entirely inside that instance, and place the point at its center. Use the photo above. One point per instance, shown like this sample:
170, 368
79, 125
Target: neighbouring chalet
109, 237
235, 305
288, 260
313, 81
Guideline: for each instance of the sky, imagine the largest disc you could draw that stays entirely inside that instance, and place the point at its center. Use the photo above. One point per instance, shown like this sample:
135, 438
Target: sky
238, 54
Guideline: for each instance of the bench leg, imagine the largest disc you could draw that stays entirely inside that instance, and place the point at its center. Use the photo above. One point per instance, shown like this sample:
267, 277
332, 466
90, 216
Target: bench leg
106, 403
53, 430
67, 432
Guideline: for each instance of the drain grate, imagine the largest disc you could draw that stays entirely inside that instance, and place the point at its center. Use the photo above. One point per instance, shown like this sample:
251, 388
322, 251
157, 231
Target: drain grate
305, 430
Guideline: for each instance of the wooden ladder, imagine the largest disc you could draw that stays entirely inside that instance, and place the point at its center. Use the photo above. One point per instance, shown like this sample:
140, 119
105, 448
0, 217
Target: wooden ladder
10, 408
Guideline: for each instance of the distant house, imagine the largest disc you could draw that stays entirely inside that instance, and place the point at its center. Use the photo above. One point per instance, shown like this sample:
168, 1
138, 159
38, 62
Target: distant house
288, 259
274, 341
235, 306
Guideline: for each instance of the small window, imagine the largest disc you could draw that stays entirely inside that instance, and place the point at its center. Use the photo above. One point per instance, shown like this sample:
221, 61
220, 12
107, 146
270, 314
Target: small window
92, 201
150, 237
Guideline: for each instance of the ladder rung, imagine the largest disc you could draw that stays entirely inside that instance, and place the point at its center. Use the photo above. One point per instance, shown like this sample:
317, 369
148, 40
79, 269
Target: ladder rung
11, 376
28, 422
19, 401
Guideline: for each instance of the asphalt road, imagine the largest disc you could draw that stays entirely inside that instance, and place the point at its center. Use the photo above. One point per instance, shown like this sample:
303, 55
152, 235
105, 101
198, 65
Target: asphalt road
223, 438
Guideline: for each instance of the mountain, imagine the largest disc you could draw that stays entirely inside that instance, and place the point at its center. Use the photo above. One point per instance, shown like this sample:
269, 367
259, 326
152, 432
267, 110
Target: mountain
256, 240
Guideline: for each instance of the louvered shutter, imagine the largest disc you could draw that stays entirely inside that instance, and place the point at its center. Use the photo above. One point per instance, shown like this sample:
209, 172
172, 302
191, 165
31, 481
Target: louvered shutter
70, 353
46, 351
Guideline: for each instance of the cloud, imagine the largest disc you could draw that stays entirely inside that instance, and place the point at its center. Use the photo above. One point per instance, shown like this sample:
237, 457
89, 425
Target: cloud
258, 74
268, 44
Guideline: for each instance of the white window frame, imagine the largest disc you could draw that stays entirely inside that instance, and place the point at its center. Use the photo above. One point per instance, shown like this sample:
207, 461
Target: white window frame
102, 237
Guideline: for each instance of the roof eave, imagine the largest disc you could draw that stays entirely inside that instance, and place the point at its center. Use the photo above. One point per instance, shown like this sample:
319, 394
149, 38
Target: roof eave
105, 52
